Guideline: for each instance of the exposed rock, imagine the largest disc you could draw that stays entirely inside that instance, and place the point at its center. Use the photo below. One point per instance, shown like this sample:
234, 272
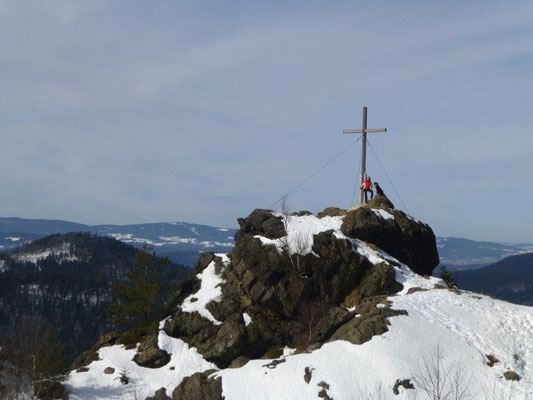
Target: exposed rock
491, 360
262, 222
160, 394
239, 362
109, 339
308, 374
199, 386
274, 363
277, 290
406, 383
226, 345
109, 370
51, 391
380, 201
373, 321
332, 212
410, 241
149, 355
379, 280
511, 376
82, 369
334, 318
323, 394
416, 289
302, 213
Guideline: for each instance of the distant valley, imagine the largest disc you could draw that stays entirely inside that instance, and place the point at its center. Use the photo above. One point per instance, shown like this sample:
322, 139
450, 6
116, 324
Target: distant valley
182, 242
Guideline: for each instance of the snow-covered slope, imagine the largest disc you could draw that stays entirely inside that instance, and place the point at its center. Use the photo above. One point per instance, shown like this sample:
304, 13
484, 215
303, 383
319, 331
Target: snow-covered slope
445, 331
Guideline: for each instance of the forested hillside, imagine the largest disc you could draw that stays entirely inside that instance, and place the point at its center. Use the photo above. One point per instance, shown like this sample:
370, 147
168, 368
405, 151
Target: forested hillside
510, 279
67, 279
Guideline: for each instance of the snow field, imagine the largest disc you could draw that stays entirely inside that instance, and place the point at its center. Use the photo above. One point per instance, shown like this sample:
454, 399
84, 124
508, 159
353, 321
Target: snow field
94, 384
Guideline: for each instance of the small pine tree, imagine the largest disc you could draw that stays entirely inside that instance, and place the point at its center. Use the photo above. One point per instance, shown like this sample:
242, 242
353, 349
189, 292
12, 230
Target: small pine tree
141, 299
447, 276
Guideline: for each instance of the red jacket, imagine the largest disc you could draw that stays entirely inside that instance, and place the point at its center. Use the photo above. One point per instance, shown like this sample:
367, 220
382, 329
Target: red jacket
367, 184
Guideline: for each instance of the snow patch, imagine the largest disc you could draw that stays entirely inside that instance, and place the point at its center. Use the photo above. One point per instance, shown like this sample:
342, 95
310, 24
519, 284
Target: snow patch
382, 213
94, 384
300, 232
247, 319
209, 291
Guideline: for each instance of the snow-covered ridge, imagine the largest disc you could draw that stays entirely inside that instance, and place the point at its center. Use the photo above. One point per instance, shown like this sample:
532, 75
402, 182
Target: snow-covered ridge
465, 327
170, 240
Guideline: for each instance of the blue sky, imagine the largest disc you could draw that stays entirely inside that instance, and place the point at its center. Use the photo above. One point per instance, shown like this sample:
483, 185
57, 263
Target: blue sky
135, 111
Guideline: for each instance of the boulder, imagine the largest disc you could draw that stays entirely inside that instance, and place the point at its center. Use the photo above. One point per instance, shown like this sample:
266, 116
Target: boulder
380, 201
51, 390
149, 355
262, 222
160, 394
511, 376
372, 322
228, 343
332, 212
404, 238
199, 386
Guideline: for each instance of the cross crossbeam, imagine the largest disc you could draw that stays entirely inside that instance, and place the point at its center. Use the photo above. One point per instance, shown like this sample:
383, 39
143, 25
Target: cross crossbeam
363, 131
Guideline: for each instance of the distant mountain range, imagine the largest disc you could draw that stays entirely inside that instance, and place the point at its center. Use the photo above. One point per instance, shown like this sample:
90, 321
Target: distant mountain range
463, 254
183, 242
510, 279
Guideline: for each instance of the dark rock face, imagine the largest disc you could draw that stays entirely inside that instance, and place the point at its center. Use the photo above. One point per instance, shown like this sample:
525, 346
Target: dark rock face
51, 391
371, 322
150, 355
199, 386
283, 295
410, 241
262, 222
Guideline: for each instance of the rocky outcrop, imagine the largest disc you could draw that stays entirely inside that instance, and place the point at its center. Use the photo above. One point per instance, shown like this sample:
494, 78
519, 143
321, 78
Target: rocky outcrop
273, 296
262, 222
199, 386
149, 355
380, 201
332, 212
410, 241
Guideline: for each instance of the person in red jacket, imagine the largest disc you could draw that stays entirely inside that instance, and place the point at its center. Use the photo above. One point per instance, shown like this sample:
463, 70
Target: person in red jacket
367, 187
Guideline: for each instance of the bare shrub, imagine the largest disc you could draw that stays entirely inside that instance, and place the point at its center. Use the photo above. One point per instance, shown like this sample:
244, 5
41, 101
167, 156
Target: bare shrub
309, 315
441, 382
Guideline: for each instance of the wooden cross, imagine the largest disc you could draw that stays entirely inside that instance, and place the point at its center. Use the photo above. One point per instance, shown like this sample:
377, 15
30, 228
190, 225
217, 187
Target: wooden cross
364, 131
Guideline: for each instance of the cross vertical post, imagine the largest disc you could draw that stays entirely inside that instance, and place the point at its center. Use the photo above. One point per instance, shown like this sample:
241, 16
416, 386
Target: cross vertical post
363, 159
363, 131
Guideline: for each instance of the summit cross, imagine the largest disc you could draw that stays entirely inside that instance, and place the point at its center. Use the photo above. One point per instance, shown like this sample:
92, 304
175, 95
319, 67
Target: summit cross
364, 131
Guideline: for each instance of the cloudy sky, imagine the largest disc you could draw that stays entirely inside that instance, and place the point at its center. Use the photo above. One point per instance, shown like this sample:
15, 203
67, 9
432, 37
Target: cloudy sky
143, 111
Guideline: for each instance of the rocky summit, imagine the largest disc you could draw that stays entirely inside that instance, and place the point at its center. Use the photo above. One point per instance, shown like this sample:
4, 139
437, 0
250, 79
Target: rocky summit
296, 311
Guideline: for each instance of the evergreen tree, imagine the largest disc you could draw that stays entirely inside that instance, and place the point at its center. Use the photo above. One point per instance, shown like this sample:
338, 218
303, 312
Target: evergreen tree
140, 301
447, 276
